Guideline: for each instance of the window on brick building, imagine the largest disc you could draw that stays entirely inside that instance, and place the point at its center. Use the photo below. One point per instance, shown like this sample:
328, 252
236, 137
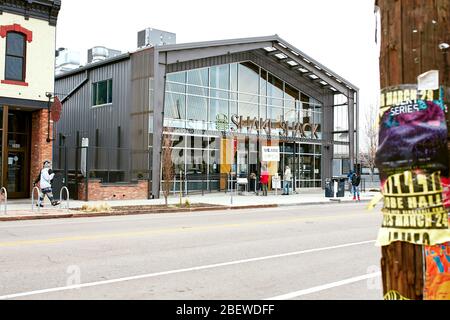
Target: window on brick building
102, 93
15, 62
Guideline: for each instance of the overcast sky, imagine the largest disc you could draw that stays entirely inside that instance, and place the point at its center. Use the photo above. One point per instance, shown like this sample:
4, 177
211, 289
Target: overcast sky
338, 34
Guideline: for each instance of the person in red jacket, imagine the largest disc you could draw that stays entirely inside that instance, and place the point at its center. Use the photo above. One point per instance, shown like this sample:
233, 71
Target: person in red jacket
264, 180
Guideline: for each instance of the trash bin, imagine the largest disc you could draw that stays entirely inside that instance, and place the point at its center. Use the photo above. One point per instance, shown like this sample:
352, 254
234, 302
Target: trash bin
341, 186
329, 188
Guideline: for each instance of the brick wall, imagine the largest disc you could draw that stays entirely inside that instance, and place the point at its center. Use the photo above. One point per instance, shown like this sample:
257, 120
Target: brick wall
41, 150
99, 191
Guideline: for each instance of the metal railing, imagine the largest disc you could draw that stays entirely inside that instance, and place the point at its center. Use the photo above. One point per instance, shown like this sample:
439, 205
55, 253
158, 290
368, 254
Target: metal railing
32, 199
67, 199
5, 202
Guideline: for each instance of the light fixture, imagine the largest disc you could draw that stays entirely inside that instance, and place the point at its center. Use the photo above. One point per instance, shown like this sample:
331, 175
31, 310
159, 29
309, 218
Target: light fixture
281, 56
292, 63
270, 49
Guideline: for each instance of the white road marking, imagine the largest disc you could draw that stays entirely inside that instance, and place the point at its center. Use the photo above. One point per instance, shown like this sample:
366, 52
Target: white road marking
304, 292
165, 273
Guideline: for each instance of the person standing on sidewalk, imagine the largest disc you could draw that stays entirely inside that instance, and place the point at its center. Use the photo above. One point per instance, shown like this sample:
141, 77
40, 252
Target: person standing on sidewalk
356, 181
287, 181
45, 184
264, 180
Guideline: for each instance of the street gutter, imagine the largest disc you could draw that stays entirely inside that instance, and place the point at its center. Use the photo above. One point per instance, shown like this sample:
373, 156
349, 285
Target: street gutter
74, 214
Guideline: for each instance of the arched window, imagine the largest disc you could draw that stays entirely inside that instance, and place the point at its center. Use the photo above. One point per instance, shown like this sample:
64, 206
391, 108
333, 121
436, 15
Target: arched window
15, 61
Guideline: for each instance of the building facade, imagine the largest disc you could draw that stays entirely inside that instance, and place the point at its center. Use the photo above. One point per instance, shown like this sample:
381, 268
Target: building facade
230, 108
27, 59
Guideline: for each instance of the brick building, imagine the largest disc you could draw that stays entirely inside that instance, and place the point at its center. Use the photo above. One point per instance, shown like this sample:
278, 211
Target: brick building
27, 59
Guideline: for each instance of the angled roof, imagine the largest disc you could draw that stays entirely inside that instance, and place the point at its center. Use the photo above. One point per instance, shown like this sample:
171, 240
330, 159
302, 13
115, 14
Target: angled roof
286, 52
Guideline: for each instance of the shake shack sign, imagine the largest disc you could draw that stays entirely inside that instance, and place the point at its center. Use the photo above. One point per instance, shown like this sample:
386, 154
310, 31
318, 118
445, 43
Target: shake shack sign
288, 129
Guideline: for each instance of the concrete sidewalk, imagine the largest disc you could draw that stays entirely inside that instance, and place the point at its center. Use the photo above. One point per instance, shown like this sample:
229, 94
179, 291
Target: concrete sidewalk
22, 209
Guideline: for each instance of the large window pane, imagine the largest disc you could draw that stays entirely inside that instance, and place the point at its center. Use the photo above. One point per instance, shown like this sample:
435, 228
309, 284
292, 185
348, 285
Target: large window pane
197, 108
248, 82
196, 162
175, 106
180, 82
275, 114
290, 103
220, 77
199, 80
275, 91
14, 68
216, 108
15, 44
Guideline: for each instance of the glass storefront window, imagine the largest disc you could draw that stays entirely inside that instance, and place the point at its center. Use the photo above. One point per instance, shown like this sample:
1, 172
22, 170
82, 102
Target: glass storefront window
197, 109
218, 108
175, 106
207, 98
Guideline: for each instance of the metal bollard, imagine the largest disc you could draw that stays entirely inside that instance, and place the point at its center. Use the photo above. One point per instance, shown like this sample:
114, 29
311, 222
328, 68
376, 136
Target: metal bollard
68, 197
32, 199
5, 192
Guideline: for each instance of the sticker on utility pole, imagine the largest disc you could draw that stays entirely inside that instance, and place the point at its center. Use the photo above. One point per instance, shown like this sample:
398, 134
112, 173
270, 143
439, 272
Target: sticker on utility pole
428, 80
271, 154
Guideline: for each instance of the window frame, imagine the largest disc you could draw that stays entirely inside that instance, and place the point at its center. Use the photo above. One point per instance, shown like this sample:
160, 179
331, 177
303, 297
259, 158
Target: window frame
24, 57
95, 93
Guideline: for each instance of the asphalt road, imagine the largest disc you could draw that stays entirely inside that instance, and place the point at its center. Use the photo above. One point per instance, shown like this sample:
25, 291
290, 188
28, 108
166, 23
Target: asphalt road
308, 252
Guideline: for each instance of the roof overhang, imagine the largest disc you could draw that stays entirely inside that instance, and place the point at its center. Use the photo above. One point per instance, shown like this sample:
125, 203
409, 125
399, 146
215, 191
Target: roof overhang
273, 47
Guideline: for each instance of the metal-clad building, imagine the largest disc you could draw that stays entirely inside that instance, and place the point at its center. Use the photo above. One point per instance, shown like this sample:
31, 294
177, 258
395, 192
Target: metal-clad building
222, 102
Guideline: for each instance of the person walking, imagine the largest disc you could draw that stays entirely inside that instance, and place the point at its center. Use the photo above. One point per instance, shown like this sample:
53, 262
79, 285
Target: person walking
356, 181
45, 184
264, 181
287, 181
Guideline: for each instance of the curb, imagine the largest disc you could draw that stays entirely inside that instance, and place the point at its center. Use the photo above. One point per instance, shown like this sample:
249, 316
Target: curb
162, 211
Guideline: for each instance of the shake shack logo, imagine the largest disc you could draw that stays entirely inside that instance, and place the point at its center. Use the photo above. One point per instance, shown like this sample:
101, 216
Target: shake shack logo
289, 129
221, 122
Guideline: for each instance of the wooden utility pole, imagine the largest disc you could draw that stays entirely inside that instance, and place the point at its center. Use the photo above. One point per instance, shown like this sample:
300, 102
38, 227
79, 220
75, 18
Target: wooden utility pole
413, 38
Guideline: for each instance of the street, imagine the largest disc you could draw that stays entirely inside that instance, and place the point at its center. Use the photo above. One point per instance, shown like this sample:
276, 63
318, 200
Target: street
305, 252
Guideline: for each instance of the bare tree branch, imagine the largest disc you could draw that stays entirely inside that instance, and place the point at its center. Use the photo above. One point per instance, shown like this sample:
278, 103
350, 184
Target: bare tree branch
167, 164
371, 136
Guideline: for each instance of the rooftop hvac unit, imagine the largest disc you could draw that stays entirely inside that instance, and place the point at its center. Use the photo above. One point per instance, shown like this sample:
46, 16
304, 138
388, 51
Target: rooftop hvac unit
155, 37
97, 54
67, 60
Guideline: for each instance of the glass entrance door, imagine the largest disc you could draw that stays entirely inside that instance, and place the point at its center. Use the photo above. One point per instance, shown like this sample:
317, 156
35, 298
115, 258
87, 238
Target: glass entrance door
17, 182
16, 176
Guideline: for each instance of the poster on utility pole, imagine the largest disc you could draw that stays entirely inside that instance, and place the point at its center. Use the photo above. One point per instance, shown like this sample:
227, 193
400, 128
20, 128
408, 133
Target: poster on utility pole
413, 161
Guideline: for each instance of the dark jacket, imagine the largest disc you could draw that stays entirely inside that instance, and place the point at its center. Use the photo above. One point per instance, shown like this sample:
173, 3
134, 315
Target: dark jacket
356, 180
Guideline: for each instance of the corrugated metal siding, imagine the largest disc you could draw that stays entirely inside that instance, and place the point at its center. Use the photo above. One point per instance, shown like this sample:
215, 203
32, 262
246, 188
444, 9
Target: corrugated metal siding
142, 71
79, 115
